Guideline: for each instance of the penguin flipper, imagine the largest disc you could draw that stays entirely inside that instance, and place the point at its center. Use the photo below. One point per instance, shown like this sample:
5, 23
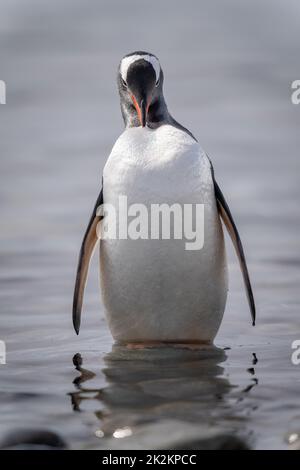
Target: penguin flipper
229, 223
88, 245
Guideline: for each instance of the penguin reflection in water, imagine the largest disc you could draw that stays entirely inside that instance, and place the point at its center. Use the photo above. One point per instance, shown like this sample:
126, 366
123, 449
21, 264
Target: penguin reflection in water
156, 291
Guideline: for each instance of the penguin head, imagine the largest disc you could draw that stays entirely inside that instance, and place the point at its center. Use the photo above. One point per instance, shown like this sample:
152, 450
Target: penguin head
140, 80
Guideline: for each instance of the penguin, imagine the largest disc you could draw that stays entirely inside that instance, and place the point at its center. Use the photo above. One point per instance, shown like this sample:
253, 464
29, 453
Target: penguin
154, 290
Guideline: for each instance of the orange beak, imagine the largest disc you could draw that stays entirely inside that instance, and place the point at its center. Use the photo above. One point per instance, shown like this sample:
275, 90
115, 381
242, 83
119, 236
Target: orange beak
141, 109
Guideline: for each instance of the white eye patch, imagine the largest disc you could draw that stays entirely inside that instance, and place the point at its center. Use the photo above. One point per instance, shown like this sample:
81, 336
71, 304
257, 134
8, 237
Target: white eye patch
127, 61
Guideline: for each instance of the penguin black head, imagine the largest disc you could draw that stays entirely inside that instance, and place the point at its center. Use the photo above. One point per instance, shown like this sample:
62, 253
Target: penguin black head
140, 81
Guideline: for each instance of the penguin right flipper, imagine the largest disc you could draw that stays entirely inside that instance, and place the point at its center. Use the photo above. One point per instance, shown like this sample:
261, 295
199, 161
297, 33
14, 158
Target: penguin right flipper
229, 223
88, 245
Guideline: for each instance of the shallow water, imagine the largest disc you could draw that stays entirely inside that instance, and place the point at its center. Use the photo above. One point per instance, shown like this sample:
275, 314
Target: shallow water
228, 70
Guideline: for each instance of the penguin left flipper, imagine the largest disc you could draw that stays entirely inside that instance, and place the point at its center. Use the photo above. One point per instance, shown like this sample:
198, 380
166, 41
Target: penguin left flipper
88, 245
229, 223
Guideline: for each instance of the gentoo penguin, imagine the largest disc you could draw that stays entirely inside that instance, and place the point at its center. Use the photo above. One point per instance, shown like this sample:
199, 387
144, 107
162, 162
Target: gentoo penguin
155, 290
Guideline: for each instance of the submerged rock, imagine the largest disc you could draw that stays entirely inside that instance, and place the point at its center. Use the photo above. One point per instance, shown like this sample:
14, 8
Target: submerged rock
32, 439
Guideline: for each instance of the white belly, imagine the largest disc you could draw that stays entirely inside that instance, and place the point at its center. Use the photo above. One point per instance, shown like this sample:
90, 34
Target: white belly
156, 290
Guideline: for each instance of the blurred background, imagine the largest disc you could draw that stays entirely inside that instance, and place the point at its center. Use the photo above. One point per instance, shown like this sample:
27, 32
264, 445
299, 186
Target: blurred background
228, 72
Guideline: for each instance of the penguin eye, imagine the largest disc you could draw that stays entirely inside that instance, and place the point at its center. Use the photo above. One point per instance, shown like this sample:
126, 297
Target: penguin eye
123, 82
157, 82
